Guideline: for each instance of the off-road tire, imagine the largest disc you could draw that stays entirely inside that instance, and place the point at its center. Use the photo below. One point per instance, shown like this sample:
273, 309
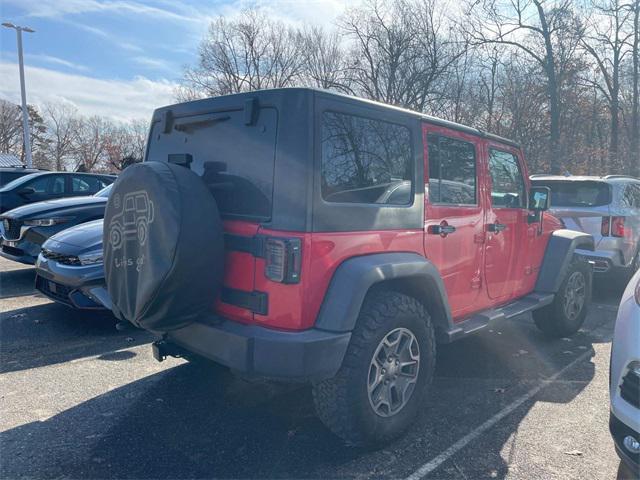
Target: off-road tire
553, 320
342, 402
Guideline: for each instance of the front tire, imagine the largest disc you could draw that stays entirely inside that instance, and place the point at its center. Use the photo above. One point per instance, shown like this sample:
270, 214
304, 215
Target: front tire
567, 313
381, 386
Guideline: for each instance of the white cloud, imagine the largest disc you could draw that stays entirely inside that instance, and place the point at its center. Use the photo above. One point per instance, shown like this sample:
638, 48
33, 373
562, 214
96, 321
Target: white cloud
56, 61
117, 99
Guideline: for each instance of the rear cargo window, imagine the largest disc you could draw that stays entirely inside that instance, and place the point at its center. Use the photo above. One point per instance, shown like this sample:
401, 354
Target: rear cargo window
577, 193
366, 161
242, 156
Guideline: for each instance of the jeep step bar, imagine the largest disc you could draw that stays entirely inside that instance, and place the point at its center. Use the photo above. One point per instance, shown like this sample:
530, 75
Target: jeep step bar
480, 320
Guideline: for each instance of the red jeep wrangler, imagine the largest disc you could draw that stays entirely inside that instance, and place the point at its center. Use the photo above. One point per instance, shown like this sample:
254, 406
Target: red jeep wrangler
309, 236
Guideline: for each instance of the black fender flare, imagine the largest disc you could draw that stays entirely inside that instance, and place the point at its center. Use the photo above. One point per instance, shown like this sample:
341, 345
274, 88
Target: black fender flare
558, 256
409, 273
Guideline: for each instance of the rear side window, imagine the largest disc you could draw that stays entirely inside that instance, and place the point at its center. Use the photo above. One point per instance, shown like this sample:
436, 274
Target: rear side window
452, 171
577, 193
365, 161
631, 196
507, 182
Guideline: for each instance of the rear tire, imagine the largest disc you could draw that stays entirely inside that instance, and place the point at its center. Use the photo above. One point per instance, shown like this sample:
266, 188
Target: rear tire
567, 313
380, 387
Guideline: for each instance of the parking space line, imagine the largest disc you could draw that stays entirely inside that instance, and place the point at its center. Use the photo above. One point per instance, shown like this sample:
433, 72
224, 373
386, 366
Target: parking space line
464, 441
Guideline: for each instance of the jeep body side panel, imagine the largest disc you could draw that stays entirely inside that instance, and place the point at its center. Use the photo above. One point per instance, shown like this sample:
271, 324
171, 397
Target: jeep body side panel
407, 272
558, 257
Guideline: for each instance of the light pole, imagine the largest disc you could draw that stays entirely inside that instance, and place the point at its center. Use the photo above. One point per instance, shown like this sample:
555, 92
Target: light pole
23, 93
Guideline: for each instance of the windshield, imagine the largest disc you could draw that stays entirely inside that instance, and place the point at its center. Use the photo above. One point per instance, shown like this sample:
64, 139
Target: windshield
577, 193
19, 181
104, 192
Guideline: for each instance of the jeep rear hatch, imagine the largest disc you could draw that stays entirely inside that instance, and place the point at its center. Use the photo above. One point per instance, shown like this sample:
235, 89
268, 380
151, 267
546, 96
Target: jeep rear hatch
234, 147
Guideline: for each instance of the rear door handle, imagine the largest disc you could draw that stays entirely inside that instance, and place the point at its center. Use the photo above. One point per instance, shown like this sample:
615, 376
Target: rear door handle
496, 227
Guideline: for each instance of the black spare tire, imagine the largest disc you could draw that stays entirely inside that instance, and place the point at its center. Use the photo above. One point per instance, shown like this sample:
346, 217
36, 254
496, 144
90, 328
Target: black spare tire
163, 246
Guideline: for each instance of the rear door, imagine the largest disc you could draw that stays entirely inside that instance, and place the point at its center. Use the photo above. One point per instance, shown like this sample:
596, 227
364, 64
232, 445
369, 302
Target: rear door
454, 218
506, 228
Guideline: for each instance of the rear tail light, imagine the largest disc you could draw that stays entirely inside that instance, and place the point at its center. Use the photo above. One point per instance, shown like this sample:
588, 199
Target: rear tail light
283, 259
605, 228
617, 226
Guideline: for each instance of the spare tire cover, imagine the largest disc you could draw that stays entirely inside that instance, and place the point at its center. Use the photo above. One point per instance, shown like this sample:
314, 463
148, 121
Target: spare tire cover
163, 246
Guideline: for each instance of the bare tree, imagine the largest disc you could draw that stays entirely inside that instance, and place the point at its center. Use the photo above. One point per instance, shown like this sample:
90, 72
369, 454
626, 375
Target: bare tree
606, 40
634, 136
249, 53
10, 128
90, 143
398, 52
536, 28
325, 64
62, 124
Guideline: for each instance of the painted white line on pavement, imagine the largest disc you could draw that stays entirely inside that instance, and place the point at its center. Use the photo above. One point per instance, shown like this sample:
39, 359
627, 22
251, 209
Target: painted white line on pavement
464, 441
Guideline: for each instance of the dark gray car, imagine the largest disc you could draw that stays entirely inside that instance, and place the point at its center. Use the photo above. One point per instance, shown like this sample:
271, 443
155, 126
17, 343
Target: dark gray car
23, 230
70, 270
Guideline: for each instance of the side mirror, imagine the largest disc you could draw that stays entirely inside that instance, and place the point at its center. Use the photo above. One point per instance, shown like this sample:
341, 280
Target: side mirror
26, 191
539, 199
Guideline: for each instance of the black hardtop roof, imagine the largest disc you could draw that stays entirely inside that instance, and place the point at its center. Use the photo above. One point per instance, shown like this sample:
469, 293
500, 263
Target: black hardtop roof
354, 99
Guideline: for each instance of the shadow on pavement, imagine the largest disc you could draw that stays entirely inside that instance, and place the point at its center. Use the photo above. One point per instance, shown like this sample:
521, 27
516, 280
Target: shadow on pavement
17, 283
53, 333
195, 421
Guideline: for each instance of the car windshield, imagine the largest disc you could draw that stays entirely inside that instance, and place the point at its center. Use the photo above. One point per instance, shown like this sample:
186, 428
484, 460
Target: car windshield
577, 193
104, 192
19, 181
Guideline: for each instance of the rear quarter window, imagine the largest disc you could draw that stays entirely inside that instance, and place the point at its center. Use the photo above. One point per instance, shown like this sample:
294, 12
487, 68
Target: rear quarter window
365, 161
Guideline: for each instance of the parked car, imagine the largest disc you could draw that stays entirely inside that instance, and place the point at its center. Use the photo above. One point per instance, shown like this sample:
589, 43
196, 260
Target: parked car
624, 383
25, 229
8, 174
69, 269
41, 186
279, 248
607, 208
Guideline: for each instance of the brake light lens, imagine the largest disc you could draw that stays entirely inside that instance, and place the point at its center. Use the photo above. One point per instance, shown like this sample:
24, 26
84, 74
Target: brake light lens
283, 259
617, 227
605, 228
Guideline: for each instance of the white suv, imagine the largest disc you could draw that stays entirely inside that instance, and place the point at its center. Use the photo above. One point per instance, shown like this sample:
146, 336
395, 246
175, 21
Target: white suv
606, 207
624, 385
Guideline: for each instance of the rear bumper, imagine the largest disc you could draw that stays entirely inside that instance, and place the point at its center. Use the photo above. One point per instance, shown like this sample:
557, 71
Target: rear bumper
619, 431
604, 260
308, 355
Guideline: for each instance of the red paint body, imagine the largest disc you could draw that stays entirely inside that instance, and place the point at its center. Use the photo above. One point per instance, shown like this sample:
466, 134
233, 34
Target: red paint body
480, 269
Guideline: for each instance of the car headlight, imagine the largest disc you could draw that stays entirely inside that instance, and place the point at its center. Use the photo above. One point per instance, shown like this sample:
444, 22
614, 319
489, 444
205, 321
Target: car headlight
91, 258
46, 222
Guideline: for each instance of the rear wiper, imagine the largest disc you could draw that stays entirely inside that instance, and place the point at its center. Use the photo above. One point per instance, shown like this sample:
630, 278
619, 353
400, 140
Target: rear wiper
202, 121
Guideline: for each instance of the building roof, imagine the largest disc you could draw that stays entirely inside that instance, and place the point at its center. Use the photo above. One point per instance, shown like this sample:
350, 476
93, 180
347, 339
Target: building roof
9, 160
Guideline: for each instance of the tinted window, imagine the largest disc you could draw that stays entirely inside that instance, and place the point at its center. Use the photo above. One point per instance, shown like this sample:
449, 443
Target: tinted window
86, 184
577, 193
507, 183
452, 171
6, 177
104, 192
365, 160
41, 184
631, 196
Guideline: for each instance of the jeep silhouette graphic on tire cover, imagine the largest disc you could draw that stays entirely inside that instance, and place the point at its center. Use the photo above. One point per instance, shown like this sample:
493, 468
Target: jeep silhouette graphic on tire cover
133, 220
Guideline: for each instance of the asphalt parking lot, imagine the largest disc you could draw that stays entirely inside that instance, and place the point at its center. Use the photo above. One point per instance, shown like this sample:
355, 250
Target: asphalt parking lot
82, 400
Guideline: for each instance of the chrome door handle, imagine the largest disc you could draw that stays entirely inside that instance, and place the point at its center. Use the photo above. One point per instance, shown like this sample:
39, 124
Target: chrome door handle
496, 227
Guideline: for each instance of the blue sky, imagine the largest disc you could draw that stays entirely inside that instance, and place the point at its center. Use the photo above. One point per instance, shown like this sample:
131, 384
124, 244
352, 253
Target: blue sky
120, 58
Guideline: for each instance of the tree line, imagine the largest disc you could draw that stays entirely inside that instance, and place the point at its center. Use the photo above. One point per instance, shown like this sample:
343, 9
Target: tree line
561, 77
62, 139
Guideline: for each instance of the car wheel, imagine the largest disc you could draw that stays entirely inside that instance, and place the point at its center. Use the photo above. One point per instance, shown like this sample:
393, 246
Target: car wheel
567, 313
389, 364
